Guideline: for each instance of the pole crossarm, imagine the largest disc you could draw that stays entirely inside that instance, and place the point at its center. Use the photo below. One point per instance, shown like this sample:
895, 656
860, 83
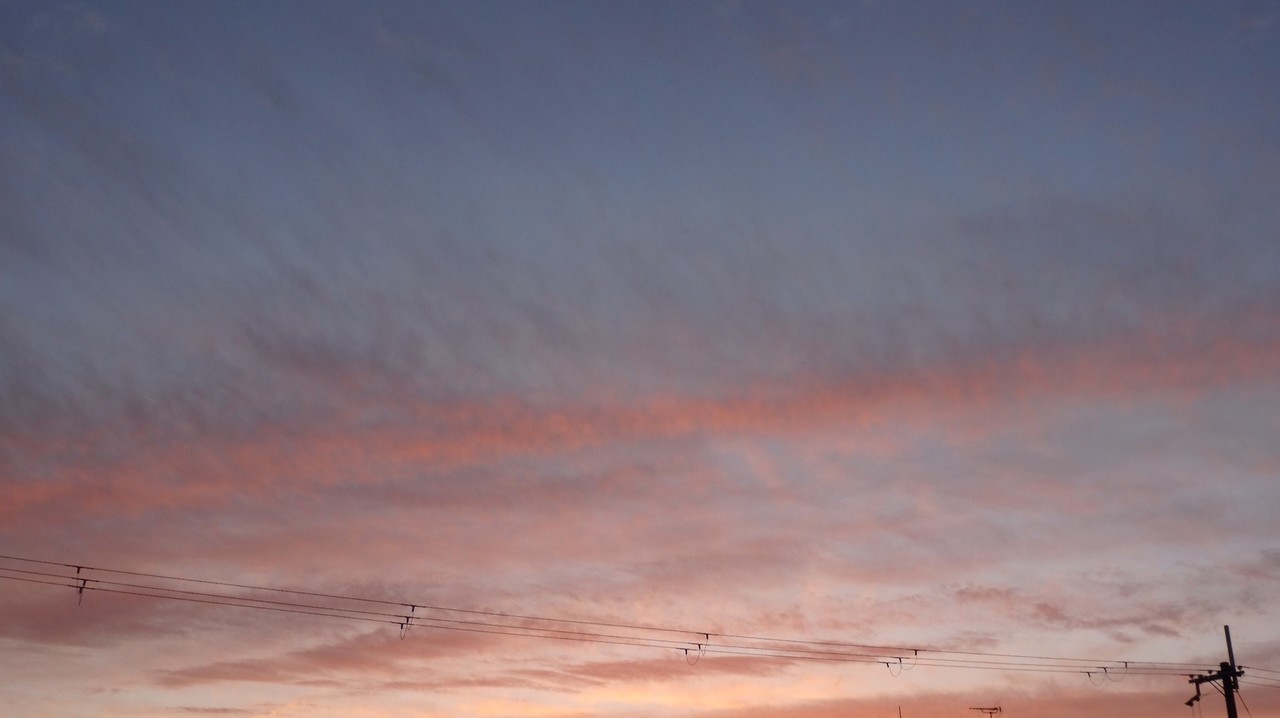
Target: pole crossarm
1227, 672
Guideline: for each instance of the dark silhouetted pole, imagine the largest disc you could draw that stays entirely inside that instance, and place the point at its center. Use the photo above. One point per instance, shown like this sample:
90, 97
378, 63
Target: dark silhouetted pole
1227, 673
1230, 676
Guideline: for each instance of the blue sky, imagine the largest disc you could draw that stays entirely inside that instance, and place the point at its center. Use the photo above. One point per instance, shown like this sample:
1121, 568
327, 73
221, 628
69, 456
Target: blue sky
951, 324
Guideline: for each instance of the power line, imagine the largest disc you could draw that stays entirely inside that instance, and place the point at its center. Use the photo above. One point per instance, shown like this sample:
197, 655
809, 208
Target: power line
1255, 682
882, 650
358, 599
533, 626
403, 619
778, 648
197, 600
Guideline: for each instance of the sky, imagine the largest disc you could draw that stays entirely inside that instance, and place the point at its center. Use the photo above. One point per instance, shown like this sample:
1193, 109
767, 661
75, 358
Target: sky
946, 334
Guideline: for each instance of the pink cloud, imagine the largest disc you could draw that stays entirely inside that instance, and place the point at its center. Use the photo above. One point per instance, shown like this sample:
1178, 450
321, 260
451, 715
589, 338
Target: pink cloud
213, 471
374, 655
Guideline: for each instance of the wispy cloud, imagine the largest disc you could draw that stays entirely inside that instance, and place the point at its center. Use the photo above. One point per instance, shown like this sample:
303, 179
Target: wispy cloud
955, 327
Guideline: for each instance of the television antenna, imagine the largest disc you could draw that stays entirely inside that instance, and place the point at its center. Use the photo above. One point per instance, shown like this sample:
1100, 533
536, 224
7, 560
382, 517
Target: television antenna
988, 711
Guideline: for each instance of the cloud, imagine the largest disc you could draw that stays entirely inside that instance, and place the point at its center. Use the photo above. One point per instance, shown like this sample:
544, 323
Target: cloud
330, 282
61, 616
739, 321
132, 465
1051, 702
378, 658
377, 655
611, 672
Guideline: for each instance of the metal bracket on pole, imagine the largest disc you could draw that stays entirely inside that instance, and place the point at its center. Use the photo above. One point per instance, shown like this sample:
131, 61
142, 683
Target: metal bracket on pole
1228, 673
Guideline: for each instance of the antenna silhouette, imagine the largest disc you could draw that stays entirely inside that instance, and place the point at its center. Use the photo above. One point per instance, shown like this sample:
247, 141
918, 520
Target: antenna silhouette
989, 711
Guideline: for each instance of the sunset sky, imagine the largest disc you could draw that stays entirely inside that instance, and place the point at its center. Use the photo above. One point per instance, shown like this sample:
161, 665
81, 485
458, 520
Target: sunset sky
946, 330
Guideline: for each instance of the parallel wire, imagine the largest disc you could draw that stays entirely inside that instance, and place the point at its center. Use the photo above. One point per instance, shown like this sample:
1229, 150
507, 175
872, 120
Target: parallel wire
536, 632
197, 600
887, 650
406, 620
726, 643
395, 619
916, 651
358, 599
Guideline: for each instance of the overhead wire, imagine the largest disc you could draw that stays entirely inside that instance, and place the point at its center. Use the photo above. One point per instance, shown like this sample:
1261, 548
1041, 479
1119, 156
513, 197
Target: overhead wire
359, 599
1252, 678
779, 648
1243, 703
522, 625
405, 621
891, 651
1259, 682
339, 612
882, 649
196, 600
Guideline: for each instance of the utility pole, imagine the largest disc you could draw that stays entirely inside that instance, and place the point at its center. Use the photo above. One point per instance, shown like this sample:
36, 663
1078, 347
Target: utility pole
1227, 673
